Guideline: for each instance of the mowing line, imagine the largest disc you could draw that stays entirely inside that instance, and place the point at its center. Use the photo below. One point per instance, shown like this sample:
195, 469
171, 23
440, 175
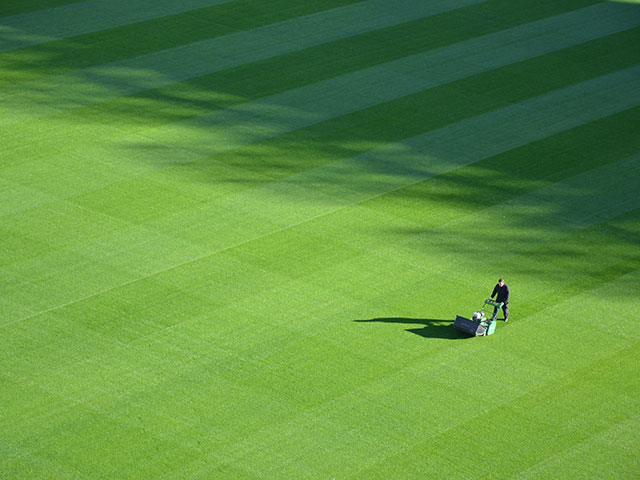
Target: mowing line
438, 151
250, 122
630, 424
557, 382
553, 209
346, 93
582, 93
625, 199
413, 160
379, 388
60, 163
103, 82
28, 29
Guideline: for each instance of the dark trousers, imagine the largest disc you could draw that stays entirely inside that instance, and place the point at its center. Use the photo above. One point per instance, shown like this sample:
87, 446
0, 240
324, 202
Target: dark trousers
505, 310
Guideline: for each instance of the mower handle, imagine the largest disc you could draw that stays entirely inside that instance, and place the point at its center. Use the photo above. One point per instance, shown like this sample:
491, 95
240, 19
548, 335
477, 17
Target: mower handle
493, 303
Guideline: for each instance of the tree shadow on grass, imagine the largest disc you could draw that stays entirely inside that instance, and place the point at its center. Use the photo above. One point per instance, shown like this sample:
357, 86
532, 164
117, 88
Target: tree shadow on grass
429, 327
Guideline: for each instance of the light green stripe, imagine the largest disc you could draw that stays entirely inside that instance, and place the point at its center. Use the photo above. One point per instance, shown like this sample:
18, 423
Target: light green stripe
539, 217
462, 143
135, 155
532, 404
515, 379
326, 189
20, 31
108, 81
304, 197
606, 454
294, 109
140, 155
271, 116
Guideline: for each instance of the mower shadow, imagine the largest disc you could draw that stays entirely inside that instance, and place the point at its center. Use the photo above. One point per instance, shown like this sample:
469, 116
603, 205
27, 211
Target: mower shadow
430, 327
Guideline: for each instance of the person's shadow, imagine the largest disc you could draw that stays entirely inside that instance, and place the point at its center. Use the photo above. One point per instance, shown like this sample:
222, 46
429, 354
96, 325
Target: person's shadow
429, 327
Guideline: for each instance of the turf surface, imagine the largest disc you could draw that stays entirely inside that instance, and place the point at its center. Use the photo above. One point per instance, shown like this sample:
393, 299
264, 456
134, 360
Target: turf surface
234, 235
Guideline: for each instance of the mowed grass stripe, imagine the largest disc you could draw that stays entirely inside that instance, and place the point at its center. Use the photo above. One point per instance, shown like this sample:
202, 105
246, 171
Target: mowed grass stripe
18, 7
274, 115
415, 159
31, 248
602, 379
462, 191
125, 77
402, 127
339, 138
248, 362
136, 146
294, 204
63, 56
188, 433
433, 108
60, 122
43, 26
363, 130
93, 173
276, 74
442, 380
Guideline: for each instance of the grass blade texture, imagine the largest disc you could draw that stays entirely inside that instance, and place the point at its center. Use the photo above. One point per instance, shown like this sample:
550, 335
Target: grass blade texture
235, 234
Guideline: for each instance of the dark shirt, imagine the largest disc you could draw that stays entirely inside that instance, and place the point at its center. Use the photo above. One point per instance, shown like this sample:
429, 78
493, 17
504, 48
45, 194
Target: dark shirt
502, 292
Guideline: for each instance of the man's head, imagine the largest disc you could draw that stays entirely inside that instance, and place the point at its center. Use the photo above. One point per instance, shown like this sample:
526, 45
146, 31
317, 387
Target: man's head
501, 282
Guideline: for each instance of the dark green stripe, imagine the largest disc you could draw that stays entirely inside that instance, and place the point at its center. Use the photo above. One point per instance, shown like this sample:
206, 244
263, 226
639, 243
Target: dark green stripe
201, 95
373, 48
435, 108
497, 179
17, 7
145, 37
614, 241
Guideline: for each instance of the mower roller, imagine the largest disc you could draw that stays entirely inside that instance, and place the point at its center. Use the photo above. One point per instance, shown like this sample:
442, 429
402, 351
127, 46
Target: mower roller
478, 325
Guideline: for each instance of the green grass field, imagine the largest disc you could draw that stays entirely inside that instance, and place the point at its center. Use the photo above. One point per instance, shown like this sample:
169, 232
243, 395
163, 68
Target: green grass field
234, 236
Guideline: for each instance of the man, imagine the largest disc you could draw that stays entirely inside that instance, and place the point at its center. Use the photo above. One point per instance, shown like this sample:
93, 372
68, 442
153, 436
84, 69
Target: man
502, 292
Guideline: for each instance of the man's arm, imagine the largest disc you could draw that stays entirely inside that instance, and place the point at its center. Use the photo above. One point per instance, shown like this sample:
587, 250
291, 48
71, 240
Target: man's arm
495, 291
508, 293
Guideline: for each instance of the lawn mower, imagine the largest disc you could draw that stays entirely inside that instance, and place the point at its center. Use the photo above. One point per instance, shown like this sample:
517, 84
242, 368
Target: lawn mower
479, 325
